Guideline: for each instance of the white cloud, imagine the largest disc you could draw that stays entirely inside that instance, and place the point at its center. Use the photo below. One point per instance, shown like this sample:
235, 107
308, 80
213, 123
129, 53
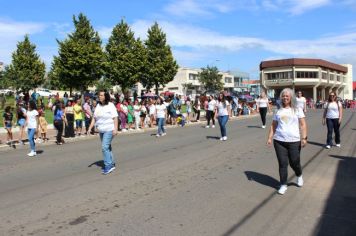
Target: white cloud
300, 6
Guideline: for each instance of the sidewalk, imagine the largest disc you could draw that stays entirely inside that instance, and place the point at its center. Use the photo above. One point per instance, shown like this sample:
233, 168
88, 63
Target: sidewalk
52, 132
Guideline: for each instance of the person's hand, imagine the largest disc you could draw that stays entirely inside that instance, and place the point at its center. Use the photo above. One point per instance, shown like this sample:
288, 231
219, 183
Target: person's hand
339, 121
323, 121
303, 142
269, 142
114, 132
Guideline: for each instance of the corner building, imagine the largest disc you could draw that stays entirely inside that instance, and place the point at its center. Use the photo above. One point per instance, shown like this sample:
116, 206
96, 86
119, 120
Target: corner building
316, 78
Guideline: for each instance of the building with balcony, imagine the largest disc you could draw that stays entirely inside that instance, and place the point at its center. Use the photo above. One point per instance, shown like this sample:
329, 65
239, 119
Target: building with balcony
316, 78
186, 83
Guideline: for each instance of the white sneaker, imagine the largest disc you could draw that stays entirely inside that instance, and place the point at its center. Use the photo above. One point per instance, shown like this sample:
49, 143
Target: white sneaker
32, 154
282, 190
327, 146
207, 126
338, 145
158, 135
198, 120
300, 181
224, 138
263, 126
164, 134
213, 126
124, 130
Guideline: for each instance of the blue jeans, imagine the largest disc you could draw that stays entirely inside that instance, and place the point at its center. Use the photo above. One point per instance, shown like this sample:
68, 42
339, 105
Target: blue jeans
222, 122
31, 138
106, 139
333, 125
160, 122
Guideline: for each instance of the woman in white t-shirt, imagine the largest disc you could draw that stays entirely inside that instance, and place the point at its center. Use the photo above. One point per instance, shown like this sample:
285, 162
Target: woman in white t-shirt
332, 117
289, 133
223, 112
161, 112
137, 113
106, 121
301, 101
210, 112
32, 123
262, 106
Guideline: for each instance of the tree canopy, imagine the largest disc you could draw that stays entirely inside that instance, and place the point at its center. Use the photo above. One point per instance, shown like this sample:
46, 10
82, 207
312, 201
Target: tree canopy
161, 66
80, 60
210, 78
26, 70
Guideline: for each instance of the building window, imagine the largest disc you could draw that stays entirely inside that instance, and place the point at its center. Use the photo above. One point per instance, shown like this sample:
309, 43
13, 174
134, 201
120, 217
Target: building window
193, 76
338, 78
324, 75
228, 80
331, 76
307, 74
173, 88
280, 75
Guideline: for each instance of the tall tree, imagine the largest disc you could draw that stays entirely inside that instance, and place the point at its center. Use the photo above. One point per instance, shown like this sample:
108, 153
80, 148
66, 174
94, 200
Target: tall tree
26, 70
210, 78
161, 66
125, 57
80, 60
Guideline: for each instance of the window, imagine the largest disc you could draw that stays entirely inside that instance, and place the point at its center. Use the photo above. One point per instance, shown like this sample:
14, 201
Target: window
228, 79
324, 75
307, 74
193, 76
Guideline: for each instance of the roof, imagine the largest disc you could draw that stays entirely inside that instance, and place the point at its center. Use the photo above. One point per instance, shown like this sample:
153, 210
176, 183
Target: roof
302, 62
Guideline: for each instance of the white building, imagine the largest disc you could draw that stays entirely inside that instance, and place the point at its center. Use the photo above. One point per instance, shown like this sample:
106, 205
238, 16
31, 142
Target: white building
186, 83
2, 66
316, 78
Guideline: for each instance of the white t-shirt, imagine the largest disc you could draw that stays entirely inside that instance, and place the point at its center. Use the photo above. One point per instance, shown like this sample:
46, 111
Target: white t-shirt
31, 119
333, 111
262, 102
152, 109
104, 115
137, 110
222, 110
288, 124
301, 102
211, 105
161, 111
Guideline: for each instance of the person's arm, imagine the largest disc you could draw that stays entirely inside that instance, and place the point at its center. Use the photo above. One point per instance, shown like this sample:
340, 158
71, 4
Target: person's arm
303, 131
114, 132
271, 133
92, 123
257, 106
305, 106
340, 113
324, 115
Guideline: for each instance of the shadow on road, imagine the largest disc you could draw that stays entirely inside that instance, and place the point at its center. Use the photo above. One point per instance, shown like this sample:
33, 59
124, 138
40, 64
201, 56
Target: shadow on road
339, 216
97, 163
262, 179
316, 144
254, 126
212, 137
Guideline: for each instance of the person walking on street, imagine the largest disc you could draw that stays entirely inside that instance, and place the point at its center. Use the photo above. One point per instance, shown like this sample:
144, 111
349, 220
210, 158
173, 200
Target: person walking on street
288, 133
106, 121
301, 101
263, 107
161, 111
32, 124
223, 112
332, 117
210, 115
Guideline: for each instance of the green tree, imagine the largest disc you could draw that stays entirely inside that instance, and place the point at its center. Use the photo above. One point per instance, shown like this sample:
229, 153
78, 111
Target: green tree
80, 60
161, 66
210, 78
26, 70
125, 57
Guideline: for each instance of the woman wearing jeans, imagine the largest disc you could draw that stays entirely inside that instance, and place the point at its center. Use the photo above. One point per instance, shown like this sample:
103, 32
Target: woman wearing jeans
105, 120
289, 134
32, 123
161, 111
223, 112
332, 117
58, 122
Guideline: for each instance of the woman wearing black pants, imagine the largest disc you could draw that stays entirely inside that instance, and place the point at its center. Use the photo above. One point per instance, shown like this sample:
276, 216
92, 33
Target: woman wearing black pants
288, 134
262, 104
58, 122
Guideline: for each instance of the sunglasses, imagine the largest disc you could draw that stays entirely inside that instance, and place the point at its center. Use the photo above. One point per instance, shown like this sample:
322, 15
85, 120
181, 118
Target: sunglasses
332, 95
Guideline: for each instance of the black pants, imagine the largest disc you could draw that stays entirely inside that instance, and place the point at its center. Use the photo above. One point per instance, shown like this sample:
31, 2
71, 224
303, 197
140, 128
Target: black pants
59, 126
198, 114
263, 113
333, 124
287, 152
69, 129
210, 115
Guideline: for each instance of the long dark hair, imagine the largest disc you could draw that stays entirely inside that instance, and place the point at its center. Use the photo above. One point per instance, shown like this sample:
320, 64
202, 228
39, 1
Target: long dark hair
58, 108
107, 97
32, 105
222, 100
330, 97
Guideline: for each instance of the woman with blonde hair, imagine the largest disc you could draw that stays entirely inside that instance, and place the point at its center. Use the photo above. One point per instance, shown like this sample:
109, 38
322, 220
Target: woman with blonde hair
288, 133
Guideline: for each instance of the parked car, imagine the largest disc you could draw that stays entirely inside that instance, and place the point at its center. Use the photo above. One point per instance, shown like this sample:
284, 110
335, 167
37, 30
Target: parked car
6, 92
45, 92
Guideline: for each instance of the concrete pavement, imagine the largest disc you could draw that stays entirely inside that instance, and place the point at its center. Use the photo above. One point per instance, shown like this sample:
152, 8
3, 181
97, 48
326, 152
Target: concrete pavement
186, 183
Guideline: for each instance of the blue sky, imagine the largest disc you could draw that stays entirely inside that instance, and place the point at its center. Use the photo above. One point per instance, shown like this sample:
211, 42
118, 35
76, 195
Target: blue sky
230, 34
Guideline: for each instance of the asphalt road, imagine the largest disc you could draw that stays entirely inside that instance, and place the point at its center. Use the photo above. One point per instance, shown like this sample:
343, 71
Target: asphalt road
186, 183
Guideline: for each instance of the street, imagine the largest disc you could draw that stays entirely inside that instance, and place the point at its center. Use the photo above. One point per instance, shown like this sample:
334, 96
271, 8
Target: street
186, 183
